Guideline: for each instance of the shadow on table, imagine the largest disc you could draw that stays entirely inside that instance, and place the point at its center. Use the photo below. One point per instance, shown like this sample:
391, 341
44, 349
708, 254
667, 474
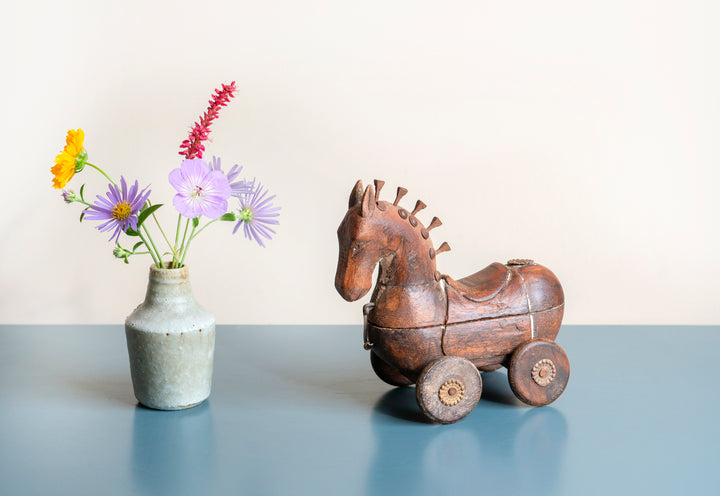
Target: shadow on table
105, 389
496, 449
403, 406
173, 452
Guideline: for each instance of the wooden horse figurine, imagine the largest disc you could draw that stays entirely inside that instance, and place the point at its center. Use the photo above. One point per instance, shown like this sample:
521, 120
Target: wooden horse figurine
427, 328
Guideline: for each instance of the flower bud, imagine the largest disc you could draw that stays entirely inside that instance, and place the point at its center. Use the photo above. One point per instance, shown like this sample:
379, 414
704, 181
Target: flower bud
121, 252
69, 196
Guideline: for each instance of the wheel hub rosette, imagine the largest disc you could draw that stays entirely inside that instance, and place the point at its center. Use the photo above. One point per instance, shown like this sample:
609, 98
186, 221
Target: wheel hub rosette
543, 372
451, 392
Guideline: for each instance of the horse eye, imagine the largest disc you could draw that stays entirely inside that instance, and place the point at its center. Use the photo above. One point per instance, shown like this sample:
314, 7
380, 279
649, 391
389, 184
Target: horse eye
357, 246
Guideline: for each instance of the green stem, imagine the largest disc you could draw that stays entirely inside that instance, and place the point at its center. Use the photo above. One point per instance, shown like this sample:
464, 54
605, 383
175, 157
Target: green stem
201, 229
187, 247
181, 248
100, 170
158, 263
177, 235
157, 253
161, 231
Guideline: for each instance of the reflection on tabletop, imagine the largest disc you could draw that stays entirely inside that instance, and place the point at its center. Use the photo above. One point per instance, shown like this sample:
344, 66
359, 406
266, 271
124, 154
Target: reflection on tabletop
489, 448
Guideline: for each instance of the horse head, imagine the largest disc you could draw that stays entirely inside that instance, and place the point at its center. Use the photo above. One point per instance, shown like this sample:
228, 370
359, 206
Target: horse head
375, 231
362, 242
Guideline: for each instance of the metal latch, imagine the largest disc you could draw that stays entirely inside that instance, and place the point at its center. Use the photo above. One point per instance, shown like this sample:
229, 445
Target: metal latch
367, 308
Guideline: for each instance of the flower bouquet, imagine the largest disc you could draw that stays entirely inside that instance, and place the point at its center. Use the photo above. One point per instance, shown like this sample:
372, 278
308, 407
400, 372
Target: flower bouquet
171, 339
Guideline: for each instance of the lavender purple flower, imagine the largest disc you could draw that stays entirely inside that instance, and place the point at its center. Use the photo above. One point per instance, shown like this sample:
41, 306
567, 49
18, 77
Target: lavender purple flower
201, 190
120, 209
237, 187
257, 213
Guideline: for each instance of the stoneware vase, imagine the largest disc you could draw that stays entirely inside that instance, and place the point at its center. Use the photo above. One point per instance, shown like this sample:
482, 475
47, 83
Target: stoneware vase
171, 343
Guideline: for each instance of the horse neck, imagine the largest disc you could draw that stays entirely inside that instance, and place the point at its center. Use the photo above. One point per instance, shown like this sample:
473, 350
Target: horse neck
413, 262
408, 266
407, 294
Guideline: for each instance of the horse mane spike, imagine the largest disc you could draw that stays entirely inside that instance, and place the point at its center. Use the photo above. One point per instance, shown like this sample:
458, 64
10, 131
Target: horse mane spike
443, 247
418, 206
435, 222
378, 186
400, 193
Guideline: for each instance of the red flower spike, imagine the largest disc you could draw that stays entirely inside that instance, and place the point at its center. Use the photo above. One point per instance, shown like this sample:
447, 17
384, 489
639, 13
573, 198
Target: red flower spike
192, 147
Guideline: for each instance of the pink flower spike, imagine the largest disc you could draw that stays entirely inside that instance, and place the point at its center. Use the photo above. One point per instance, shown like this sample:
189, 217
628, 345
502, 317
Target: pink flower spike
192, 147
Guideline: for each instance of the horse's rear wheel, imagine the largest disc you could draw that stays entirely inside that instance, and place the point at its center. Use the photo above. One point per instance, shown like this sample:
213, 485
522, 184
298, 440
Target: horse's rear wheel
538, 372
387, 372
448, 389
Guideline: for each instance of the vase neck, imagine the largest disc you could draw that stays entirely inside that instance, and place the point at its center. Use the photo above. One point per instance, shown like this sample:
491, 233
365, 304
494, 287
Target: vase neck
169, 285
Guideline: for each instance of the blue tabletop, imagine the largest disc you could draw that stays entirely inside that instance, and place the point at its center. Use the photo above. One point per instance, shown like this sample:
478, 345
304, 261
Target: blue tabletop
298, 410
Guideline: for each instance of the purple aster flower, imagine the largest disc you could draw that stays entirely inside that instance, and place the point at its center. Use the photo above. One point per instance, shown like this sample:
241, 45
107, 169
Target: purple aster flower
120, 209
237, 187
257, 213
201, 190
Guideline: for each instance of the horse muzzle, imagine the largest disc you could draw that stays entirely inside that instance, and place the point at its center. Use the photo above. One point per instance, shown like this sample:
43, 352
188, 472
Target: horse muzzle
351, 288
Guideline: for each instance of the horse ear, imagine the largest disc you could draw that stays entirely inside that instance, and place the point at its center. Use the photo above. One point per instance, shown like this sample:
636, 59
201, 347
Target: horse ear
356, 194
367, 207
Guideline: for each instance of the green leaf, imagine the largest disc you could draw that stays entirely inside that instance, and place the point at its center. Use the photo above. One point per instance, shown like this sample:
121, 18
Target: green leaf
82, 214
137, 245
82, 188
127, 261
145, 213
196, 221
228, 216
132, 232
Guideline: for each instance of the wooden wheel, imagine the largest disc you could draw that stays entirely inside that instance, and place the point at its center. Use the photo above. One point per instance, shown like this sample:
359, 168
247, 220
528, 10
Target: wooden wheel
448, 389
538, 372
387, 372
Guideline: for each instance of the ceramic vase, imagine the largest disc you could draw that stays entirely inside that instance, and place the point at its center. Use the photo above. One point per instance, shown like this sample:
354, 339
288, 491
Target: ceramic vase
171, 344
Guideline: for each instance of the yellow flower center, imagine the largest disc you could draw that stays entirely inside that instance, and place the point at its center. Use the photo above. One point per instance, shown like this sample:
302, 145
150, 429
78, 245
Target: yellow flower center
121, 210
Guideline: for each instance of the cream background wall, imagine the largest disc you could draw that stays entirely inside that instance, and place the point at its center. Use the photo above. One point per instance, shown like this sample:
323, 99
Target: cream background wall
581, 134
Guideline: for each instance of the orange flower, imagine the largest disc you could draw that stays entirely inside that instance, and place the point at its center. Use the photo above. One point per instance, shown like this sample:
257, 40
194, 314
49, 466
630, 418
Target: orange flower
71, 160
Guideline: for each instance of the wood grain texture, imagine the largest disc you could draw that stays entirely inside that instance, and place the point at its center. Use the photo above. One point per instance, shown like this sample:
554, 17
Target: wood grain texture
510, 300
552, 362
482, 285
408, 350
486, 338
388, 373
448, 389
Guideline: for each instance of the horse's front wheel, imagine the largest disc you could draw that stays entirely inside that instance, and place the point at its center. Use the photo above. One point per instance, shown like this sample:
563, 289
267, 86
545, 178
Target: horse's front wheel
387, 372
448, 389
538, 372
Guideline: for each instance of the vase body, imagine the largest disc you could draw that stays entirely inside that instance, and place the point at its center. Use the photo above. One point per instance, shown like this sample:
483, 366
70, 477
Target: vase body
171, 344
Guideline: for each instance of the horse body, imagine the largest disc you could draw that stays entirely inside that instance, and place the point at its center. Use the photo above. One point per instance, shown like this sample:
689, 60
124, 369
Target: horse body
418, 315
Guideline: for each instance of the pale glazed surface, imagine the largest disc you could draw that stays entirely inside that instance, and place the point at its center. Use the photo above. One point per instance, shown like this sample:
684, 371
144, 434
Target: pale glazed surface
171, 343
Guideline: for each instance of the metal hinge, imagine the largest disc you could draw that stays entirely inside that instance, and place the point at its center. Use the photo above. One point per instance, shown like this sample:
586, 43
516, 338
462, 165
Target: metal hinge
367, 308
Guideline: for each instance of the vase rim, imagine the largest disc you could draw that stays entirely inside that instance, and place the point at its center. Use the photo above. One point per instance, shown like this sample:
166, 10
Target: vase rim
165, 267
167, 273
